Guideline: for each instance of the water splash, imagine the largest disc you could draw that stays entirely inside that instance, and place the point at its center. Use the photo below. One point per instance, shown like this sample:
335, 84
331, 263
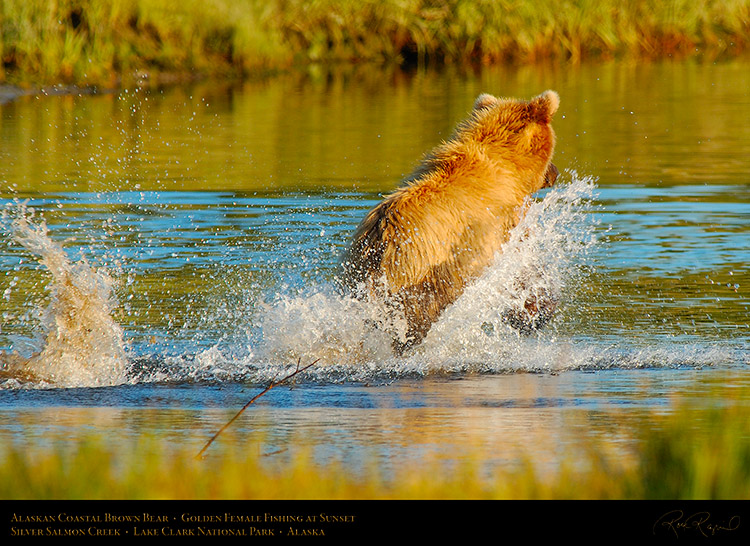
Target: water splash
545, 254
263, 337
82, 345
547, 249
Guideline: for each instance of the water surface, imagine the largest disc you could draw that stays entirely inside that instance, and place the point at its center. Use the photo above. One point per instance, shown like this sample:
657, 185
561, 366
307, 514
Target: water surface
207, 223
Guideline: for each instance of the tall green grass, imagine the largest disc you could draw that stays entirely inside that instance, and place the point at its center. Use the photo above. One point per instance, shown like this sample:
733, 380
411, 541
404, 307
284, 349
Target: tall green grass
688, 452
86, 41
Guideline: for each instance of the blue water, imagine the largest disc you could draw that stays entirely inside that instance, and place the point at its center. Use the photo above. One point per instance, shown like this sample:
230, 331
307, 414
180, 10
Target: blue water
220, 289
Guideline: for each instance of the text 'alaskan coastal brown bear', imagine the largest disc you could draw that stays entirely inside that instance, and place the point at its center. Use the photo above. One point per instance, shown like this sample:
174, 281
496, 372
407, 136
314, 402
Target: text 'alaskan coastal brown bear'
419, 248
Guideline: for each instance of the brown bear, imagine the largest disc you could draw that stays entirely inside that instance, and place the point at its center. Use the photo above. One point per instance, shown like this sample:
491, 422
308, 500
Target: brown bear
418, 248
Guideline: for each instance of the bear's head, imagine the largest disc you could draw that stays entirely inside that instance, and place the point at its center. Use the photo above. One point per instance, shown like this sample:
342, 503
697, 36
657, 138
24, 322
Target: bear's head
518, 134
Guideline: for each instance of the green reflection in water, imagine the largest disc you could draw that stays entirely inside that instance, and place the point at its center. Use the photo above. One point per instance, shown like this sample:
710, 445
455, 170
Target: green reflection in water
644, 123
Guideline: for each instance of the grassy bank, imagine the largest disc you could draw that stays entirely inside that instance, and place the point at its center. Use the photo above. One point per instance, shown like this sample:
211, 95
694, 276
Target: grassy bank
89, 42
691, 452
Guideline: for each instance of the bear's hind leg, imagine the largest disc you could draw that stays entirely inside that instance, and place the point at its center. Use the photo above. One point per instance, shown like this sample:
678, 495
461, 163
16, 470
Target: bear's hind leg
537, 312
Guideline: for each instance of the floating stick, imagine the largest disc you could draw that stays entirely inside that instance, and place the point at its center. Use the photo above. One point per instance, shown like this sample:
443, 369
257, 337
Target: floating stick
264, 391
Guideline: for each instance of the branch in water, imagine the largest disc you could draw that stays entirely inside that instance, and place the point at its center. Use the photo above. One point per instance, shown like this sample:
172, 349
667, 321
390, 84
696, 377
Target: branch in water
273, 384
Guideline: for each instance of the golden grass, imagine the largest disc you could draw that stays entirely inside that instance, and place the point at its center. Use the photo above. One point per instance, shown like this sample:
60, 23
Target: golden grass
90, 42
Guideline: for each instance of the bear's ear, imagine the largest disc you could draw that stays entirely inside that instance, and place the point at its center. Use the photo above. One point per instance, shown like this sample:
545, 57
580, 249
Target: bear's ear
485, 100
544, 106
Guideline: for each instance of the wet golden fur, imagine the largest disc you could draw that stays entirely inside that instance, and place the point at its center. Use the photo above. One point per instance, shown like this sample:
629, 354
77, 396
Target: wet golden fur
422, 244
